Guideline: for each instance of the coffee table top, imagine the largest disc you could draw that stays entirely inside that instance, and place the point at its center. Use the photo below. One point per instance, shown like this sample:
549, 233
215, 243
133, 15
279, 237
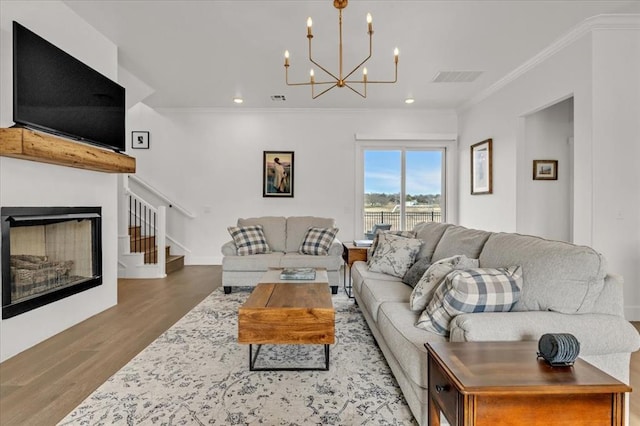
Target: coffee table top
308, 295
511, 367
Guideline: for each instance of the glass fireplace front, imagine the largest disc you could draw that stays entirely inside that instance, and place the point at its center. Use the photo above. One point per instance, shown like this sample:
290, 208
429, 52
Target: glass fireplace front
48, 253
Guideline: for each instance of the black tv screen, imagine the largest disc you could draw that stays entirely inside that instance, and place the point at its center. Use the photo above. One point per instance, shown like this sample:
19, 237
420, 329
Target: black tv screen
56, 93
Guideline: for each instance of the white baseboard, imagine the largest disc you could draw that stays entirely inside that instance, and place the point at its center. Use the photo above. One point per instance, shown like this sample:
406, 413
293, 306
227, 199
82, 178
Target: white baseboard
632, 313
202, 260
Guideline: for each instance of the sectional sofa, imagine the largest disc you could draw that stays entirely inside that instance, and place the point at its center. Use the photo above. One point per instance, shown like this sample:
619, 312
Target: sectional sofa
284, 236
565, 288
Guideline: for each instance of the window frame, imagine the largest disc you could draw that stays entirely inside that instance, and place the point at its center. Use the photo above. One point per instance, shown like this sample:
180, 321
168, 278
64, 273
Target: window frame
445, 143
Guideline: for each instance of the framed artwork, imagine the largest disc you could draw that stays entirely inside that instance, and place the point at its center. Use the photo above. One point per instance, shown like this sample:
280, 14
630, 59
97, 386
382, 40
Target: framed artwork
277, 174
481, 168
545, 169
139, 140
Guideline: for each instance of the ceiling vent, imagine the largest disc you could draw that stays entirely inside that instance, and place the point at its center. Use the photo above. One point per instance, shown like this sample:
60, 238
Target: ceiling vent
456, 76
278, 98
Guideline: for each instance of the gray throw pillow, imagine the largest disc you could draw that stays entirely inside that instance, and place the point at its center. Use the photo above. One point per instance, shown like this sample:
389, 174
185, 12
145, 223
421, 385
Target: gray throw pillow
416, 271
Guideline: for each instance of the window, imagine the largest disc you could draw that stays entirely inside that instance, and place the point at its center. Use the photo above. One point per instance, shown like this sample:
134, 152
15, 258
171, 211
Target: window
403, 186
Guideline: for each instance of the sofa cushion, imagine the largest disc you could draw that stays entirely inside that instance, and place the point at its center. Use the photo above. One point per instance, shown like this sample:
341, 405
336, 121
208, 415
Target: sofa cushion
249, 239
558, 276
396, 325
460, 240
297, 227
360, 272
471, 291
252, 262
430, 233
375, 292
394, 255
431, 279
297, 260
274, 228
317, 241
416, 271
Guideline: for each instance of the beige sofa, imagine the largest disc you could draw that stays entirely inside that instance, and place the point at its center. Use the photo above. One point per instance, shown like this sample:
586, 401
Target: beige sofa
284, 236
566, 289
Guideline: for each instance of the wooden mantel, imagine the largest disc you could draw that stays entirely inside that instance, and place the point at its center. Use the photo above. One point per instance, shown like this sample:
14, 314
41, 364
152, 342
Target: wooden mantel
29, 145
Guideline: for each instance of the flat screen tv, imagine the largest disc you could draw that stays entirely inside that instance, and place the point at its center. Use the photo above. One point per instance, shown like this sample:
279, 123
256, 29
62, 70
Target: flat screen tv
56, 93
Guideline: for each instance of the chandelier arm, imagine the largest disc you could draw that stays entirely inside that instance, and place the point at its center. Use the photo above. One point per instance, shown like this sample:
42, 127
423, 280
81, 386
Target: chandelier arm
323, 92
317, 64
365, 60
395, 80
357, 92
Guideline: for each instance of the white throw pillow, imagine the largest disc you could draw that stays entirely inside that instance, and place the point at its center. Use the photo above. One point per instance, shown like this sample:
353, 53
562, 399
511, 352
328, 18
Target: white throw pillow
394, 255
433, 276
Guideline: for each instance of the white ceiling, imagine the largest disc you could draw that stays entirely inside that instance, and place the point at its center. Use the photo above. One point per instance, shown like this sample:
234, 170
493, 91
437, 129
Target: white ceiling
203, 53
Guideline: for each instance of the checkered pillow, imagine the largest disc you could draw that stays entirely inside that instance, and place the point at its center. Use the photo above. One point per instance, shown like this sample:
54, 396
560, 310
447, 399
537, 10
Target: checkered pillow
249, 239
469, 291
317, 241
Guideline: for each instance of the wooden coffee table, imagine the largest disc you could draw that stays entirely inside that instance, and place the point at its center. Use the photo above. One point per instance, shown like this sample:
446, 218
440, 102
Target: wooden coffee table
495, 383
287, 313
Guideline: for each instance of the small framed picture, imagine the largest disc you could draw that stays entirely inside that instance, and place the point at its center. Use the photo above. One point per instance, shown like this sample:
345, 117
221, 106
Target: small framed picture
277, 174
139, 140
545, 169
482, 168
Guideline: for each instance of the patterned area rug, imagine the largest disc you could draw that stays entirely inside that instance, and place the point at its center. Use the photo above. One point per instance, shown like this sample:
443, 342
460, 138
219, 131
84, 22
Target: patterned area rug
197, 373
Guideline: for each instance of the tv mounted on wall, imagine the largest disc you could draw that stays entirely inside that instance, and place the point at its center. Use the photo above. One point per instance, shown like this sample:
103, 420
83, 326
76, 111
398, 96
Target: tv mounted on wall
56, 93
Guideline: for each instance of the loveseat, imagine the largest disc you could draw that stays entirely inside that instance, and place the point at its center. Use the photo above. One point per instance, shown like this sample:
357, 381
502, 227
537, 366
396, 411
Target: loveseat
284, 237
565, 288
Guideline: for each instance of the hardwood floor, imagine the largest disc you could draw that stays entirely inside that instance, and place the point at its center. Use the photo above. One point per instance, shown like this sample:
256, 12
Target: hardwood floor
45, 383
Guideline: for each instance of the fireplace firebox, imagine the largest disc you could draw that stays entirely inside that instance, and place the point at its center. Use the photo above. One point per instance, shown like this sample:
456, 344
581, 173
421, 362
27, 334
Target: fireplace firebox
47, 254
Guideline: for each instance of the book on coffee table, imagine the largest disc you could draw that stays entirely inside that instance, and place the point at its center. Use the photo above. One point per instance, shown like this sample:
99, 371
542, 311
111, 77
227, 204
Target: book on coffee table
363, 243
298, 274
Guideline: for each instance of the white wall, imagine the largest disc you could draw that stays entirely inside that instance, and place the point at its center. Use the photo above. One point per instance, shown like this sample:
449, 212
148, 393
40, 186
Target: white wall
600, 68
27, 183
543, 206
210, 162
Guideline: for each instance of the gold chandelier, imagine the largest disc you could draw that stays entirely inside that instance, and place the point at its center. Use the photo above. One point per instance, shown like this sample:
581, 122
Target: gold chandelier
341, 80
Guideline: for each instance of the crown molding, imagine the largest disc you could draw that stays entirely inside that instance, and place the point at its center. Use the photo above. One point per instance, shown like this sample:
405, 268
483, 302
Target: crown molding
595, 23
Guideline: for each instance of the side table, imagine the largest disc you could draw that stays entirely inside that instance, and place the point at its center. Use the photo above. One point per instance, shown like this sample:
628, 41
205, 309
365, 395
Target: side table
350, 254
488, 383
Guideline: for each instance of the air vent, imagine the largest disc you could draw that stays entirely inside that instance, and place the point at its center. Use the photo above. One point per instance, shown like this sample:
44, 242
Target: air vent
456, 76
278, 98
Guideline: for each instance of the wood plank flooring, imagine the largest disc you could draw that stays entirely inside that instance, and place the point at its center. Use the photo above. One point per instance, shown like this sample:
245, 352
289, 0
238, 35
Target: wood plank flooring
43, 384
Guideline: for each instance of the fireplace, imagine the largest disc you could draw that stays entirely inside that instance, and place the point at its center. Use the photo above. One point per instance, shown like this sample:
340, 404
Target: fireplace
48, 253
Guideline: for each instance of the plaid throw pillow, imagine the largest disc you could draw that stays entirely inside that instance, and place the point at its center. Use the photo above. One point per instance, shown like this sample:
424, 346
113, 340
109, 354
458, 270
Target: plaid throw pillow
249, 239
469, 291
317, 241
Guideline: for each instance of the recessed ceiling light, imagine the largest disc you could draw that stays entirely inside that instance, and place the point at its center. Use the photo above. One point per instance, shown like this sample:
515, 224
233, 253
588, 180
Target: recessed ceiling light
409, 101
238, 100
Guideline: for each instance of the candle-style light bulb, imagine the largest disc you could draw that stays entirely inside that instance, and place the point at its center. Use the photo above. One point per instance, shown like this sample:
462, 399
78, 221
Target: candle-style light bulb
286, 58
364, 74
369, 25
309, 24
312, 76
395, 54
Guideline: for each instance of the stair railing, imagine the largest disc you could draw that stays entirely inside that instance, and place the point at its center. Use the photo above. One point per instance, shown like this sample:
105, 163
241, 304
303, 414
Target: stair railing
160, 195
151, 223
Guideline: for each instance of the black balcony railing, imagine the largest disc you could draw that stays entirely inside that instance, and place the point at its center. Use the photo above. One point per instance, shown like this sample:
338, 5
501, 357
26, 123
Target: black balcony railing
411, 218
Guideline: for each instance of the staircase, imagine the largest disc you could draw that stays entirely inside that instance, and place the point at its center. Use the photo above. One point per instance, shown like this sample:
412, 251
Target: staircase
139, 243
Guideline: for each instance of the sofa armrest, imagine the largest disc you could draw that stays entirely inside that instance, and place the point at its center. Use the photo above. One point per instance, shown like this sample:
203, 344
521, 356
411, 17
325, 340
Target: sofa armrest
229, 249
598, 334
336, 248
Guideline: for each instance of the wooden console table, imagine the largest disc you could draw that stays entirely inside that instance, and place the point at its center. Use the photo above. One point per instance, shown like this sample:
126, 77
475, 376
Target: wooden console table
497, 383
41, 147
